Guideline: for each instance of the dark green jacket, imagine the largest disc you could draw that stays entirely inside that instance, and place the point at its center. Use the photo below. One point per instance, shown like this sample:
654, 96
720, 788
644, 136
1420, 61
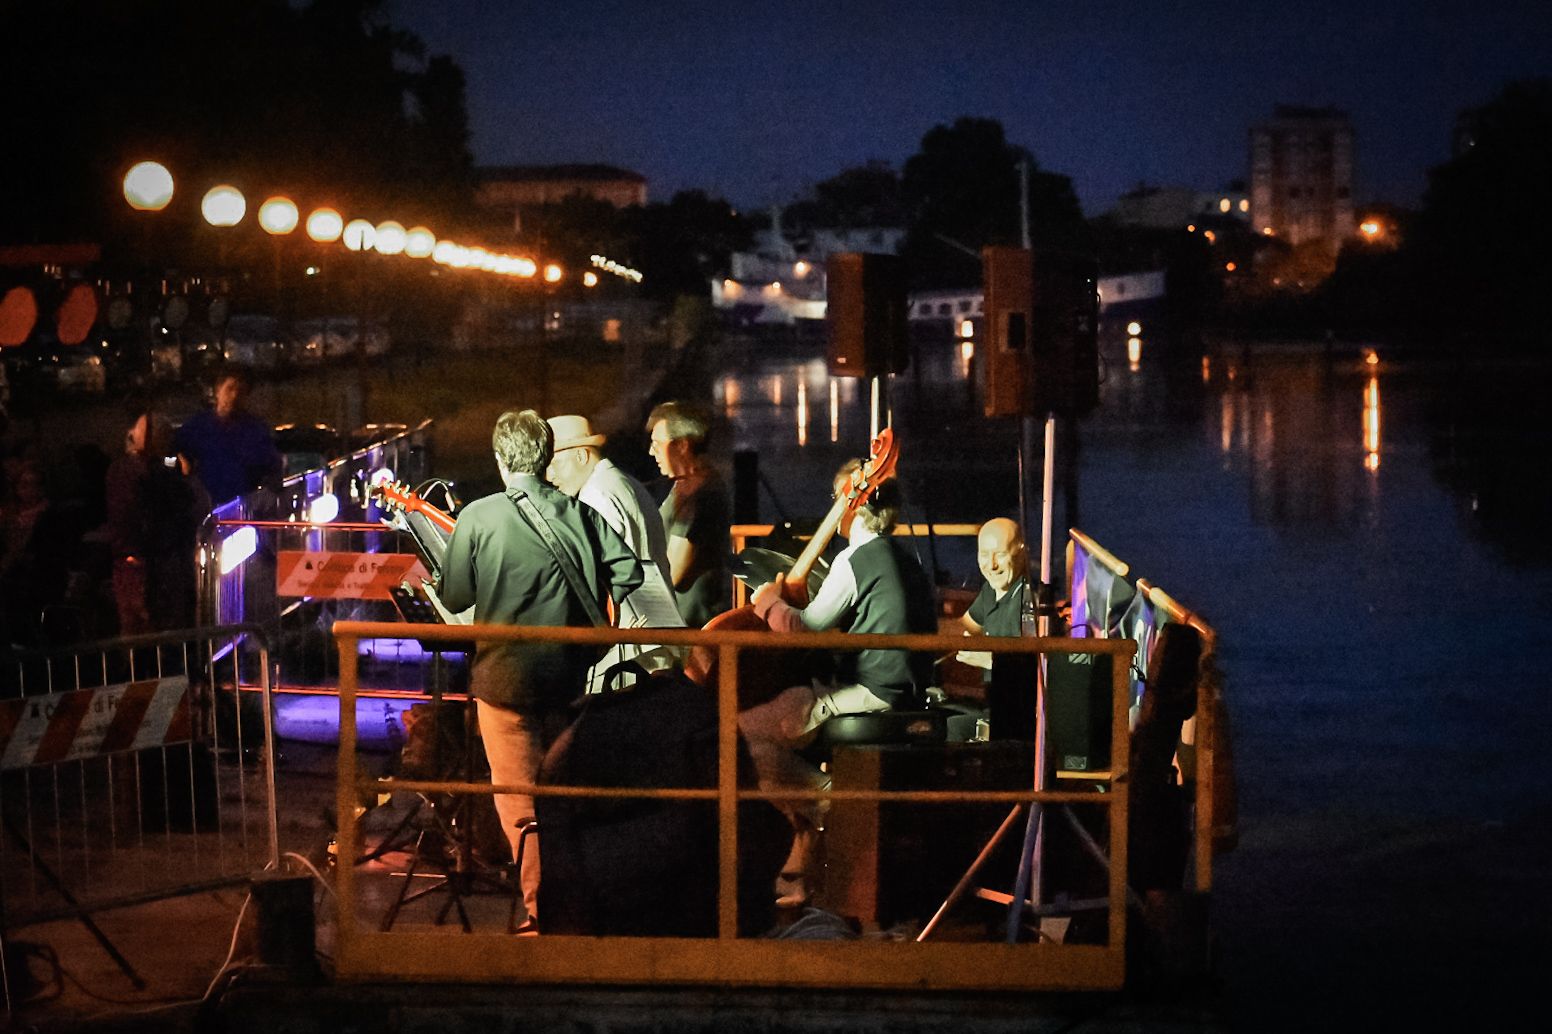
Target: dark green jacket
499, 565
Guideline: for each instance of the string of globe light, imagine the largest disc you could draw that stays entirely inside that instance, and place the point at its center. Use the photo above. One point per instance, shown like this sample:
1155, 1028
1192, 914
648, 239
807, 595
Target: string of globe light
148, 187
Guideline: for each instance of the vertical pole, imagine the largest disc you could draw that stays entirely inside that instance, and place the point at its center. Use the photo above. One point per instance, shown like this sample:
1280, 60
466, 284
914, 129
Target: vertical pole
873, 414
269, 753
727, 792
1027, 883
346, 847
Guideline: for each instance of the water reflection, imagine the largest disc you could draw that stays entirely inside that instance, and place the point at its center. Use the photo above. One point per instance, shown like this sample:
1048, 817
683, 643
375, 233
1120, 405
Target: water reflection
1280, 420
802, 409
1371, 425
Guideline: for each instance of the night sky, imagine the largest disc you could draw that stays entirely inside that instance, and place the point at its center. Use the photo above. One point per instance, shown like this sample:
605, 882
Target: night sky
756, 101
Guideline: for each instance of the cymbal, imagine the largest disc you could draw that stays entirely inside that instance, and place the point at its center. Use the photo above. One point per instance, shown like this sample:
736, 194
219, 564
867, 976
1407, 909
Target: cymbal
756, 565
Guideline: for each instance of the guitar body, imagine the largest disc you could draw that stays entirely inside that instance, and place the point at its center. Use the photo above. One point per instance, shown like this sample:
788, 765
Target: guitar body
761, 676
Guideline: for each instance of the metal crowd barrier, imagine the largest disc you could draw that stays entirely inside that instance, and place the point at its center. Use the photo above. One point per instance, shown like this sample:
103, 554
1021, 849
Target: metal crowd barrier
131, 772
364, 951
293, 567
237, 552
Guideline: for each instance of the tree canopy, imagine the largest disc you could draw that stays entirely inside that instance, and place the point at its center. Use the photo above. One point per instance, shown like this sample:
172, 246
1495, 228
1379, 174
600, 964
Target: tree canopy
1480, 244
325, 96
962, 185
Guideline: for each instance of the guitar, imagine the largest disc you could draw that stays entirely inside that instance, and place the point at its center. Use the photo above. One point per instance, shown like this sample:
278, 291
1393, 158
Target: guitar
401, 498
763, 681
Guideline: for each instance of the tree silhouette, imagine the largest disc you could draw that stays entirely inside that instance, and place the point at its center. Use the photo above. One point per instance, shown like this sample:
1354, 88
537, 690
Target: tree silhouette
1480, 247
963, 184
261, 93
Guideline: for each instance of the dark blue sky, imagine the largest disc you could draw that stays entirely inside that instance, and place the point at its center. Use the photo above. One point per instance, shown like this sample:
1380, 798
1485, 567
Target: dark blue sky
756, 101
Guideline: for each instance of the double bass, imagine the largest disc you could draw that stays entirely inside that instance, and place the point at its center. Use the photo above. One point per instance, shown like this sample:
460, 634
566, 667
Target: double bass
760, 682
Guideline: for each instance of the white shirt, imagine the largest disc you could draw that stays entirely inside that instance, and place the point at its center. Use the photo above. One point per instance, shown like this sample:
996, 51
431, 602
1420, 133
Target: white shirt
627, 508
835, 598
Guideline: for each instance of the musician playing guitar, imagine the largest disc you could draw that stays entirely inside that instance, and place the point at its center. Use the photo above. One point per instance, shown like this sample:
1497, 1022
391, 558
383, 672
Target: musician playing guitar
874, 586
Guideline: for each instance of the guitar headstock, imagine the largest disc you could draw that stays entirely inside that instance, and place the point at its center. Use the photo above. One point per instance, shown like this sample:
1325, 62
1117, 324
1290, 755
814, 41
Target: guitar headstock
400, 497
397, 496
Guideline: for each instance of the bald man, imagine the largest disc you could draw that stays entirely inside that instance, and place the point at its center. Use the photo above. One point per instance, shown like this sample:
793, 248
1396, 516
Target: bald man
999, 608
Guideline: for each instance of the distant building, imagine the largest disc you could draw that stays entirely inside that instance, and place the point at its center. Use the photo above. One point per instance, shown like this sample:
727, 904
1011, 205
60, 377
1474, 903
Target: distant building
953, 307
1301, 176
781, 281
507, 188
1171, 208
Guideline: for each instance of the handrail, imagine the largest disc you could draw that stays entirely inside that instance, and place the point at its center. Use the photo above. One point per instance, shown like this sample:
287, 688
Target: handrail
1100, 553
726, 958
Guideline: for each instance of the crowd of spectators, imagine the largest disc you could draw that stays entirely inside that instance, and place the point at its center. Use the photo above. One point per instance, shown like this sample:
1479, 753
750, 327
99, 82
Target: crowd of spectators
93, 546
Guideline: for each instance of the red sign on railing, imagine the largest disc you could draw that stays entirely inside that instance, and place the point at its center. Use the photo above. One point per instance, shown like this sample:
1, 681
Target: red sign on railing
344, 576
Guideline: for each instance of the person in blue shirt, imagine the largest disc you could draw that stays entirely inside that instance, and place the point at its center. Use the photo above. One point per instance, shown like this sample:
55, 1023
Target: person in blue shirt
231, 450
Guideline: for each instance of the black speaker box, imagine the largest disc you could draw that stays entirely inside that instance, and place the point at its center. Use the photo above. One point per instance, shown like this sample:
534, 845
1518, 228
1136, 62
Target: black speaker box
866, 310
1077, 706
890, 863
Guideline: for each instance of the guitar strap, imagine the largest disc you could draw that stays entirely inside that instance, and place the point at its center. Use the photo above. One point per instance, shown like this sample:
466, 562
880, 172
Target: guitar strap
531, 515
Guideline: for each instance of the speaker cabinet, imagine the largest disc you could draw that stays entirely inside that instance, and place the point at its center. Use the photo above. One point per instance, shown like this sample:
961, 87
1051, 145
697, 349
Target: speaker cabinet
866, 310
1078, 700
890, 863
1008, 280
1066, 333
1042, 319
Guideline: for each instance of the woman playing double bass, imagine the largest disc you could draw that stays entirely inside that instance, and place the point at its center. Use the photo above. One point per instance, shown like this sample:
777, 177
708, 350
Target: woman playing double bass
874, 586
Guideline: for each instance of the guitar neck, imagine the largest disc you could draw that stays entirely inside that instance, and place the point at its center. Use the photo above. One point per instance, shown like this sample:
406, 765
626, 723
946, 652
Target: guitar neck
817, 545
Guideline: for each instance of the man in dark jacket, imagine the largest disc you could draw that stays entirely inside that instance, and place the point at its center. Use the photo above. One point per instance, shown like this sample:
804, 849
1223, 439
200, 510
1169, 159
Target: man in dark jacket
498, 563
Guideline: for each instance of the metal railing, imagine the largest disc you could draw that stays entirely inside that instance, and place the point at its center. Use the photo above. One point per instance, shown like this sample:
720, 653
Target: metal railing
367, 954
131, 771
1204, 747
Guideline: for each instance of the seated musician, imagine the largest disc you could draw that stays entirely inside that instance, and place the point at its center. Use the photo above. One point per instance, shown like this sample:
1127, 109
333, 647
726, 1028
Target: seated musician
874, 586
999, 607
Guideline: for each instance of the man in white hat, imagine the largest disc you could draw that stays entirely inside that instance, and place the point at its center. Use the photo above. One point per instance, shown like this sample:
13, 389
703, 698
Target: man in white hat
579, 469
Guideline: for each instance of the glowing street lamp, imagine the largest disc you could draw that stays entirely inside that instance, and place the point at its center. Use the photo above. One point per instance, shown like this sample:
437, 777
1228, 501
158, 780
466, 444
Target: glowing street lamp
278, 216
325, 225
223, 206
359, 234
389, 239
589, 279
148, 186
419, 242
552, 274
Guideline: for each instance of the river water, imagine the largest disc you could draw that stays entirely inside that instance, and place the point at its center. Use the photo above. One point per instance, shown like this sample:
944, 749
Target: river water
1368, 537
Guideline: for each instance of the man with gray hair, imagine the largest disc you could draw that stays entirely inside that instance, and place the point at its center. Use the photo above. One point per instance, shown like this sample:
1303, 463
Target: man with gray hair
505, 560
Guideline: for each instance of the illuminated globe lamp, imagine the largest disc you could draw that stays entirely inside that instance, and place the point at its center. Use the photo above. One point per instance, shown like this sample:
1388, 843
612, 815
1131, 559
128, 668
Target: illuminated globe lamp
359, 235
552, 274
389, 238
325, 225
419, 242
278, 216
148, 186
223, 206
589, 279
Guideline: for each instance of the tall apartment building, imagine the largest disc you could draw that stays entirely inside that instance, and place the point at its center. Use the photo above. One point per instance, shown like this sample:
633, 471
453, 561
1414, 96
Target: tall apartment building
1301, 175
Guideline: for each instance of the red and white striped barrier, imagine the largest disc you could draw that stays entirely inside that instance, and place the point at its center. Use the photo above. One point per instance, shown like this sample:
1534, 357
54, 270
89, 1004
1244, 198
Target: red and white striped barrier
83, 723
